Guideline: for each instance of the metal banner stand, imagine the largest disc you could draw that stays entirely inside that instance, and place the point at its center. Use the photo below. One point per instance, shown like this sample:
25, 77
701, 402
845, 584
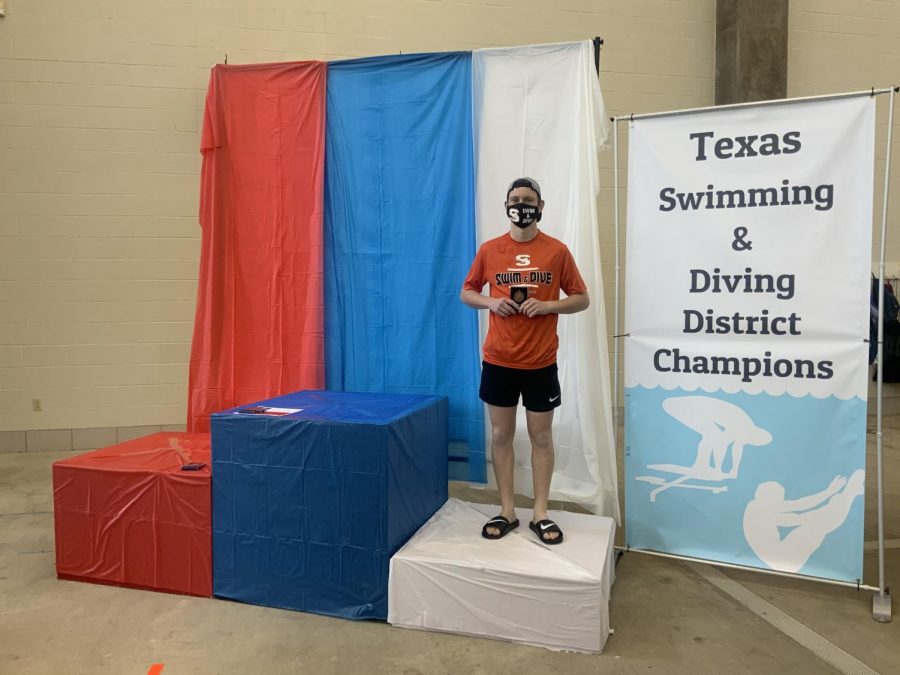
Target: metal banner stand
881, 600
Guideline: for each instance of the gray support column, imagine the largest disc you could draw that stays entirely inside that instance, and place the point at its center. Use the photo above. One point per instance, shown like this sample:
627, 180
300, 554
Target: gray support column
751, 50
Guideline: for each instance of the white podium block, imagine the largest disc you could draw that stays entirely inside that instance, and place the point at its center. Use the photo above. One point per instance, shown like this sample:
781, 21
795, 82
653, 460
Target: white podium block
449, 578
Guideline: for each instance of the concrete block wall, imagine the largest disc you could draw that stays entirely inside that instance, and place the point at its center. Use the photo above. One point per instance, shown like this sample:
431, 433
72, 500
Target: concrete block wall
845, 45
100, 112
842, 45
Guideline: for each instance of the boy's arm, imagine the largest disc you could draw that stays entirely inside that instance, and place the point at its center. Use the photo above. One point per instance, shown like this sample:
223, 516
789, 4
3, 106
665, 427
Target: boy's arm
571, 304
501, 306
568, 305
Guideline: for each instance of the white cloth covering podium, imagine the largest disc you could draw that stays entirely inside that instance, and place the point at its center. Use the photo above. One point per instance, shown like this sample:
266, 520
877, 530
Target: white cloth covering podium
449, 578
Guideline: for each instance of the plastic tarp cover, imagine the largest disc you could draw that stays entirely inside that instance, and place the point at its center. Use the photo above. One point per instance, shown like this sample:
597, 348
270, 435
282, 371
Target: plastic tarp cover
449, 578
129, 515
308, 507
538, 111
258, 330
400, 235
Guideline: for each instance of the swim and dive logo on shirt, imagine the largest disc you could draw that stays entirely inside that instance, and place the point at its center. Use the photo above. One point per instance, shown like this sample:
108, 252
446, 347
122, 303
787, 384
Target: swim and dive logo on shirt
529, 275
534, 277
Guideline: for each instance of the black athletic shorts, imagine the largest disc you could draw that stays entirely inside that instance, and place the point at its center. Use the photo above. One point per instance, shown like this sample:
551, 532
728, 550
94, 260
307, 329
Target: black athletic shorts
501, 386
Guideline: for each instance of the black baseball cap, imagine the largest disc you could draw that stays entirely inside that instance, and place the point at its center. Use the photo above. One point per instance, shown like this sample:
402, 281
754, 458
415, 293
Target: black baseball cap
526, 183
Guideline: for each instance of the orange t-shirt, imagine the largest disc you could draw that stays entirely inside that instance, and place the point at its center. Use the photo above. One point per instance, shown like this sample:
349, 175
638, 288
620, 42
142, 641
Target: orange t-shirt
544, 266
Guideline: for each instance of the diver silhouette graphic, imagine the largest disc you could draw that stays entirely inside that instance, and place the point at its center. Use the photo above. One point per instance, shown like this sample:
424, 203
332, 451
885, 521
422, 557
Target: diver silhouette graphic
810, 519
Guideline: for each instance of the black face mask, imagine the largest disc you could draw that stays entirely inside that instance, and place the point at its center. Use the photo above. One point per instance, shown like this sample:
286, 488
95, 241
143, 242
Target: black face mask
523, 215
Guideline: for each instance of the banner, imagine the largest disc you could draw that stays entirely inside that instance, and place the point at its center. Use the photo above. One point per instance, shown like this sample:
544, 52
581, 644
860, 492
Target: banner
747, 314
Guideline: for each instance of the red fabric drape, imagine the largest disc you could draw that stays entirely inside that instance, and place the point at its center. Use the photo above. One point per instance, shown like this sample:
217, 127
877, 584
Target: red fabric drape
258, 330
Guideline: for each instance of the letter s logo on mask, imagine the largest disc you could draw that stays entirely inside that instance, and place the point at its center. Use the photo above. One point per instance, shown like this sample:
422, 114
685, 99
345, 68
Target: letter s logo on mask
523, 260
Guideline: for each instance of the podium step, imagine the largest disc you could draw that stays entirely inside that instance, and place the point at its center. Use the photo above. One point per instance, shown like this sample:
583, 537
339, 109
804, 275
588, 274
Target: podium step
449, 578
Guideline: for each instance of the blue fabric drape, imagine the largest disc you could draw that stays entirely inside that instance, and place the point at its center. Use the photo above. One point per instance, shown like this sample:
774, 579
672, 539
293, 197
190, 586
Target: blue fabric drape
400, 235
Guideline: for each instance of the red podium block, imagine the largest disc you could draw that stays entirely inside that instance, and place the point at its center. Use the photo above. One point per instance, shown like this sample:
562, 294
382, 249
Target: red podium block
132, 515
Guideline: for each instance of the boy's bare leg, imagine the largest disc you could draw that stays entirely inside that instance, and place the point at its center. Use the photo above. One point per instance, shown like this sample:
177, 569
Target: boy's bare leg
503, 427
540, 430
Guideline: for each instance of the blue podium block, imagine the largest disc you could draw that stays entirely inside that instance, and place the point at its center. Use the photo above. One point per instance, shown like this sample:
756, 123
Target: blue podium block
309, 506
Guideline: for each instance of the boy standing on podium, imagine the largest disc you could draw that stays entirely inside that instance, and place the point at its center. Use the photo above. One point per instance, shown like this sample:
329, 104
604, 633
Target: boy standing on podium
525, 270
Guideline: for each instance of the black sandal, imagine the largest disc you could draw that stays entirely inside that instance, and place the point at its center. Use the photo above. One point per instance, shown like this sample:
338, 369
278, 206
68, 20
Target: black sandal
546, 526
499, 523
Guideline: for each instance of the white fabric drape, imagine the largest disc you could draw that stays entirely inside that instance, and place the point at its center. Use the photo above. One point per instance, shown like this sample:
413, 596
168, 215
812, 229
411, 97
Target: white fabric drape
538, 112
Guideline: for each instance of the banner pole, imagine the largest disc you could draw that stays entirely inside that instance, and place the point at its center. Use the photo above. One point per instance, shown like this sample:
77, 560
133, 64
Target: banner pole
598, 43
881, 603
754, 104
615, 396
857, 585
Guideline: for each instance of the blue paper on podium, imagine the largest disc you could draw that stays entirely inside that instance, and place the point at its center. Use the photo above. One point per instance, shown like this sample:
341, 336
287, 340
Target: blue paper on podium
309, 506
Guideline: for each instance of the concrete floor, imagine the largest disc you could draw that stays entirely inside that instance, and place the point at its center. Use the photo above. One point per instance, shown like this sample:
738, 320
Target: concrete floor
667, 616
